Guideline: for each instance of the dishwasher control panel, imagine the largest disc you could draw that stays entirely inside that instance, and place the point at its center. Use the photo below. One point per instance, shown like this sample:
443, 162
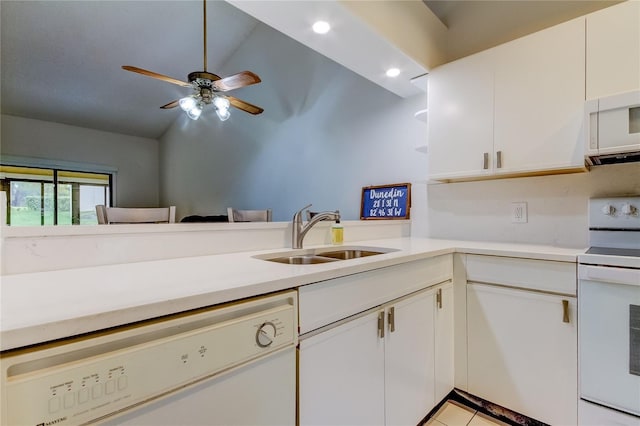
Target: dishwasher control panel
91, 378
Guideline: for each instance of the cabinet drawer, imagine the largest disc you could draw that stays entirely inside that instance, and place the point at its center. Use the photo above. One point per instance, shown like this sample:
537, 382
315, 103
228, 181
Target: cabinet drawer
328, 301
543, 275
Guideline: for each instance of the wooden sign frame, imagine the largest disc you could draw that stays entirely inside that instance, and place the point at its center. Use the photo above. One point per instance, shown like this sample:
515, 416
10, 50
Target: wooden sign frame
386, 202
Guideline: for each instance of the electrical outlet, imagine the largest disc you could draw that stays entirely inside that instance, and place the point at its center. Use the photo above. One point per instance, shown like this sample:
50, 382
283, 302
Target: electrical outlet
519, 212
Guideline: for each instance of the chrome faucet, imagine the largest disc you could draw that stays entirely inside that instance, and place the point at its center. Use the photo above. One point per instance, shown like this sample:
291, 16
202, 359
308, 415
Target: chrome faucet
299, 231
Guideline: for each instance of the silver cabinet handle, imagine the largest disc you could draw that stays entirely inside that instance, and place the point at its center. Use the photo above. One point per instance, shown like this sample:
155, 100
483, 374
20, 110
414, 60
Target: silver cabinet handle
485, 161
381, 324
439, 298
498, 159
565, 311
392, 319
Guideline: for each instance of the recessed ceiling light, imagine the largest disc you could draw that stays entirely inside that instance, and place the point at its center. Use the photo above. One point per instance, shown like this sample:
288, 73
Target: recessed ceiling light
321, 27
393, 72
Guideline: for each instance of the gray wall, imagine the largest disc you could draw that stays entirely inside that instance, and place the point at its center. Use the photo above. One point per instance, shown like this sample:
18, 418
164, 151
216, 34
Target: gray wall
134, 158
325, 133
557, 206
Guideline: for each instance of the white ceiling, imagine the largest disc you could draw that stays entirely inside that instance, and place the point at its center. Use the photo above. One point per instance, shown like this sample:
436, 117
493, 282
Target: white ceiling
60, 60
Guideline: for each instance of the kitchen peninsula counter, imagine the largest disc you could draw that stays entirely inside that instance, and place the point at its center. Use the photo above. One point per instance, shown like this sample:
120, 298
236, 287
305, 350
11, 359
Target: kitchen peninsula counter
43, 306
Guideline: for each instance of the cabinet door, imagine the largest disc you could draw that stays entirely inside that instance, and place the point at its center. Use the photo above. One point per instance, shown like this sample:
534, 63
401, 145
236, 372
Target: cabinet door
460, 130
539, 100
520, 352
341, 375
613, 50
444, 350
409, 352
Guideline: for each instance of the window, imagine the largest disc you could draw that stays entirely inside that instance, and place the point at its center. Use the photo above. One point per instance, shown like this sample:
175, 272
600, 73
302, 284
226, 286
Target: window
49, 196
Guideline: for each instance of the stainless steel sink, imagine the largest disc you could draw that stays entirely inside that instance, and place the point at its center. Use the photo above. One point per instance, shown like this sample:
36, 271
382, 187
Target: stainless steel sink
349, 254
323, 255
302, 259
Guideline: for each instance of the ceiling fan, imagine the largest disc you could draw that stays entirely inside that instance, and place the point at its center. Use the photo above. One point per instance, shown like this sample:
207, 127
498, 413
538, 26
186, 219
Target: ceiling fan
207, 87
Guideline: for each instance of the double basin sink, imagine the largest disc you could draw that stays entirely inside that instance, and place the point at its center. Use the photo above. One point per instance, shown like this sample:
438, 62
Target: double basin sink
323, 255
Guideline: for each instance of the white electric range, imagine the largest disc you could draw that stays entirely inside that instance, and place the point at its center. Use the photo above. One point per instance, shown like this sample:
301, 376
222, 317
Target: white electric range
609, 314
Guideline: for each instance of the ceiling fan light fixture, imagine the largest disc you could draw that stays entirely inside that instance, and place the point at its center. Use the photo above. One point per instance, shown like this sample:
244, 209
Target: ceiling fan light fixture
223, 114
194, 113
187, 103
221, 103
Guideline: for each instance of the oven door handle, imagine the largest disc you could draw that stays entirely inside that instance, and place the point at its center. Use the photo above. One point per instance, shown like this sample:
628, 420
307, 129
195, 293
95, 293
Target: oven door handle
609, 274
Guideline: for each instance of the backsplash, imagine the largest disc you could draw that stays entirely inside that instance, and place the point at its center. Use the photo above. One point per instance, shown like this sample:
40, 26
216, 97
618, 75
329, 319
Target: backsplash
50, 248
557, 206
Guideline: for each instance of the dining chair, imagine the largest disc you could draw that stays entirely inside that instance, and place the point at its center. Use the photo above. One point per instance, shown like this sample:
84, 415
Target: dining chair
111, 215
236, 215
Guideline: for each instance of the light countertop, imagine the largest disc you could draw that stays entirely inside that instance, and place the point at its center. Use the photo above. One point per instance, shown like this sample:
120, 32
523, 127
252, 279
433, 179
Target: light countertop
43, 306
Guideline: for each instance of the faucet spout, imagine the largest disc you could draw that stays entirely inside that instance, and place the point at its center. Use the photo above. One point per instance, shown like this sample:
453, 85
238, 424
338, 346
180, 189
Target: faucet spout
299, 230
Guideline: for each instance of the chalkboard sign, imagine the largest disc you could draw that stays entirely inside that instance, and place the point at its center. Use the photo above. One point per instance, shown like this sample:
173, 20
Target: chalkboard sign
386, 201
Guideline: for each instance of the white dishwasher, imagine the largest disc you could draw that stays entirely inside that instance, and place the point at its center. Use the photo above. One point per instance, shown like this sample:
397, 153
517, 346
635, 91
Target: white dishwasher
233, 364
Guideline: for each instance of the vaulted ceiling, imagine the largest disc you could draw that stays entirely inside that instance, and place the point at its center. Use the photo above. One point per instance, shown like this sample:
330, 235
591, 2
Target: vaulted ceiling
60, 60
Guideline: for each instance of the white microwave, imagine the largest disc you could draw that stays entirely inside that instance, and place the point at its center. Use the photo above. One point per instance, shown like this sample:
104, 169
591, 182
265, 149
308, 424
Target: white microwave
613, 129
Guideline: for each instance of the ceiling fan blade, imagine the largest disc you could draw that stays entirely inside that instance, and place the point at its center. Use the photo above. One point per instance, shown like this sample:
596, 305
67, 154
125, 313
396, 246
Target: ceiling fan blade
245, 106
156, 75
172, 104
235, 81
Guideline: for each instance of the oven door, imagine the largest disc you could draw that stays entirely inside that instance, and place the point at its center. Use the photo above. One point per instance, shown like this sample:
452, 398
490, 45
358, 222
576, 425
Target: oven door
609, 336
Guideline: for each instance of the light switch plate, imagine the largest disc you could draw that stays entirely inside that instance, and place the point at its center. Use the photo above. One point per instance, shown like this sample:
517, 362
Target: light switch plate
519, 212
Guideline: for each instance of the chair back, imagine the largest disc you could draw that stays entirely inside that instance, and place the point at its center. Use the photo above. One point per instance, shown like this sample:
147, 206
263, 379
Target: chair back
236, 215
109, 215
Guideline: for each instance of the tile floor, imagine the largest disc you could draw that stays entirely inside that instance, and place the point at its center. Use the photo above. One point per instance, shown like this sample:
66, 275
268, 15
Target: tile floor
454, 414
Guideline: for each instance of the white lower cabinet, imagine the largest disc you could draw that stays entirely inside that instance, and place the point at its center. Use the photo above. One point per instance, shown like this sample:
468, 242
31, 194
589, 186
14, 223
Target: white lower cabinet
379, 367
522, 342
374, 370
409, 359
341, 375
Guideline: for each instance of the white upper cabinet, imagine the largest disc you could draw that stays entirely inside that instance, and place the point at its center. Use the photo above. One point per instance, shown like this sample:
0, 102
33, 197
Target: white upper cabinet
539, 101
460, 128
516, 109
613, 50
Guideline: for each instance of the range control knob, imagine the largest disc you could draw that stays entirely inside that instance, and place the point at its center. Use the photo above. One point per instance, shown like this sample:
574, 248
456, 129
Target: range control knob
629, 210
608, 209
266, 334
